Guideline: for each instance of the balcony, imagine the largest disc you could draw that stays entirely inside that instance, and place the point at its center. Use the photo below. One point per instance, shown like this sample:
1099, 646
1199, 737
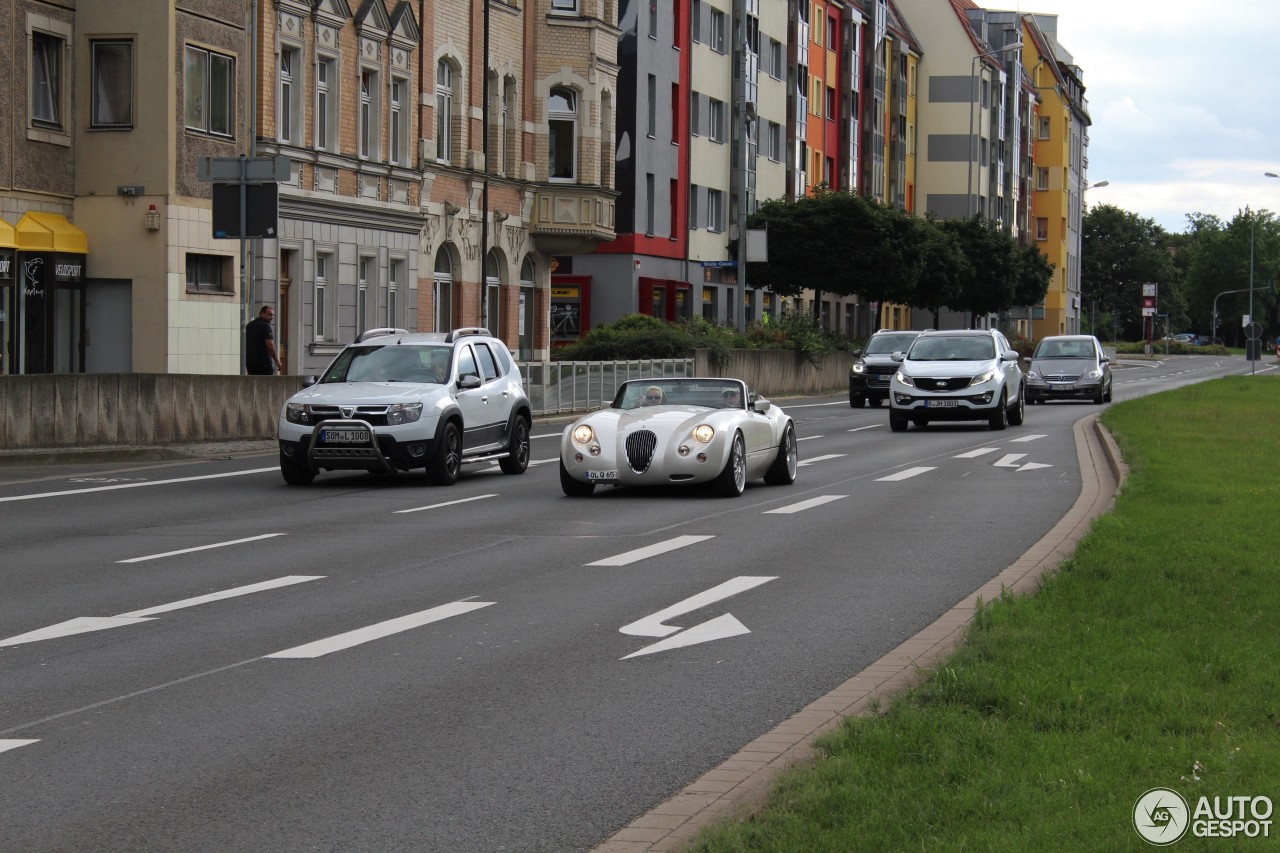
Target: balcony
571, 219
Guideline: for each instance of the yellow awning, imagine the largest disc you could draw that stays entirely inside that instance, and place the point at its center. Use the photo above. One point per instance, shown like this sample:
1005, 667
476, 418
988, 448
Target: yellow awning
8, 237
49, 232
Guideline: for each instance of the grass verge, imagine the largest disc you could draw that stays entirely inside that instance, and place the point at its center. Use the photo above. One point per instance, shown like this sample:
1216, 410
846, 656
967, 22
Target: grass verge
1151, 658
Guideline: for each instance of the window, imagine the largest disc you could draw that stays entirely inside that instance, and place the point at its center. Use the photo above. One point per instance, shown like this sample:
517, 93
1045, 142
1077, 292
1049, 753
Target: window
400, 122
649, 205
443, 291
815, 97
562, 126
444, 112
673, 199
817, 28
209, 91
695, 114
1042, 228
653, 106
776, 67
695, 17
773, 142
715, 210
320, 316
675, 112
287, 100
716, 119
208, 272
46, 79
326, 129
1042, 178
718, 29
395, 272
370, 109
653, 20
693, 206
831, 103
1044, 127
564, 5
112, 94
831, 33
368, 273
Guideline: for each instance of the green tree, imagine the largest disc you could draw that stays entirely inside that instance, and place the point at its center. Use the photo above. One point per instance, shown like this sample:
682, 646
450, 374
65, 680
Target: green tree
1120, 252
990, 286
1219, 257
944, 270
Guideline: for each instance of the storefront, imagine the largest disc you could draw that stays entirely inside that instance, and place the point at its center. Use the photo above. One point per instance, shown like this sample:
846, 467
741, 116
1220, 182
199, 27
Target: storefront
43, 299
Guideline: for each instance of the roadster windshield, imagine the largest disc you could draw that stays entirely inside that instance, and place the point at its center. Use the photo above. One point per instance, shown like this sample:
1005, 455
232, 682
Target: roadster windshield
391, 363
685, 393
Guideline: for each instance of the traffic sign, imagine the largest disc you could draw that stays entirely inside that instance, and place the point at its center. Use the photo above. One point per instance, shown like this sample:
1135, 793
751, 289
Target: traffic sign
1150, 288
228, 169
720, 264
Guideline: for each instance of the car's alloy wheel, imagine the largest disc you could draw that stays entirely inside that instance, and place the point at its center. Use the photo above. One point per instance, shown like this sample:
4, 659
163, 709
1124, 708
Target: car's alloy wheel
1110, 391
1018, 413
856, 402
875, 401
574, 488
444, 467
783, 470
733, 479
897, 421
517, 458
1000, 417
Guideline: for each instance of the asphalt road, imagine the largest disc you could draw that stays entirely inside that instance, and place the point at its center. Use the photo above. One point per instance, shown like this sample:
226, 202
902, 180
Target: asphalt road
194, 656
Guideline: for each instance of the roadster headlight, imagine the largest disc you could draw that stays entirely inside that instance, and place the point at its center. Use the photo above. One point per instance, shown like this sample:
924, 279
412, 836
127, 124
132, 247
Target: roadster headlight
297, 413
704, 433
904, 379
582, 434
403, 413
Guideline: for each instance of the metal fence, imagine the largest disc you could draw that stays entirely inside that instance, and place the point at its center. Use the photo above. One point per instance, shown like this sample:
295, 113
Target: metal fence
565, 387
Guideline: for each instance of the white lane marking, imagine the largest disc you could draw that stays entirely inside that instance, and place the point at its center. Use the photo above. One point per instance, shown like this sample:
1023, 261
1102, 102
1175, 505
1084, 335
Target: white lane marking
548, 435
905, 475
349, 639
1009, 460
85, 624
446, 503
821, 458
808, 438
1031, 466
651, 626
650, 551
6, 745
200, 548
39, 495
1027, 438
803, 505
974, 454
713, 629
234, 592
533, 462
860, 429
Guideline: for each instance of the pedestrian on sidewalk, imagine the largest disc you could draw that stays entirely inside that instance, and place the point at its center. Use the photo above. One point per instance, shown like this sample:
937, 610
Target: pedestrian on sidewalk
260, 357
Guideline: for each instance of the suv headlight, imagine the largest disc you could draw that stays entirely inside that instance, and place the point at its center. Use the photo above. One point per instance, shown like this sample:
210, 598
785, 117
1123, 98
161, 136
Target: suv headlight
297, 413
858, 368
403, 413
904, 379
981, 378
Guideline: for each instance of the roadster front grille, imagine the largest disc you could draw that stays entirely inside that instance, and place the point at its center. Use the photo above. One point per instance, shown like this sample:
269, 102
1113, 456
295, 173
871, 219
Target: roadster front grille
640, 447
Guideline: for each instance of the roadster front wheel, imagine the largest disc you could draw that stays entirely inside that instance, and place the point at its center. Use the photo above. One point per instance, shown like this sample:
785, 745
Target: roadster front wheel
732, 481
574, 488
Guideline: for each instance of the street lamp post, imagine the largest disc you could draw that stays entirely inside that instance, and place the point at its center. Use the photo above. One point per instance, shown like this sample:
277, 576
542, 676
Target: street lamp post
973, 96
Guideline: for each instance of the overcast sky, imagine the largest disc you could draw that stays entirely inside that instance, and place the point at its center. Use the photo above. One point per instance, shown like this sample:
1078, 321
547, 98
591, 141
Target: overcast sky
1184, 98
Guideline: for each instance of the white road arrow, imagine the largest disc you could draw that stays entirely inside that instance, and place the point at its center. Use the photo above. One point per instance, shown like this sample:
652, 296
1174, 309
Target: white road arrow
85, 624
1009, 460
6, 745
714, 629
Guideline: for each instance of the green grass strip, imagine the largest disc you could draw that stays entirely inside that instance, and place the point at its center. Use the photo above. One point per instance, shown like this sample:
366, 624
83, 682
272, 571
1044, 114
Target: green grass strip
1151, 658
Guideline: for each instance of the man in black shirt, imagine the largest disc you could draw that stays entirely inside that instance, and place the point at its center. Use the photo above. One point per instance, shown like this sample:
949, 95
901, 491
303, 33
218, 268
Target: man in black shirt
260, 357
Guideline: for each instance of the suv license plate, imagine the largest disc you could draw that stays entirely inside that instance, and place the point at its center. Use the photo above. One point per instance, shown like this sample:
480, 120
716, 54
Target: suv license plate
344, 436
602, 475
941, 404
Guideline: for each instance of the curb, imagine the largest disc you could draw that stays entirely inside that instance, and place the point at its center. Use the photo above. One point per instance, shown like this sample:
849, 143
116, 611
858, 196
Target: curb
741, 783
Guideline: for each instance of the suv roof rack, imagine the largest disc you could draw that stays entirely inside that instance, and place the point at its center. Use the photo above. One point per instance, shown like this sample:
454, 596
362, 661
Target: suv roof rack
465, 331
378, 333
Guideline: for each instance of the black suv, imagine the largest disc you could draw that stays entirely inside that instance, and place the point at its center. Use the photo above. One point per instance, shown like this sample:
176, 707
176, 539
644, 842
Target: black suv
874, 366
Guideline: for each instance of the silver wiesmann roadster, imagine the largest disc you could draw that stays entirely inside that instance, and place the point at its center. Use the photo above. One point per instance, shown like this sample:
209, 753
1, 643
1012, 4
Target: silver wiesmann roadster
665, 431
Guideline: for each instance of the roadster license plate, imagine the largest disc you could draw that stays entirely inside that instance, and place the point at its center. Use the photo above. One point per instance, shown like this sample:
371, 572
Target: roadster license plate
941, 404
344, 436
602, 475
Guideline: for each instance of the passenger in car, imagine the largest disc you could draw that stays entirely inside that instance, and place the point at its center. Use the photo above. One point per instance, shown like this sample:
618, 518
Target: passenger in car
732, 398
654, 396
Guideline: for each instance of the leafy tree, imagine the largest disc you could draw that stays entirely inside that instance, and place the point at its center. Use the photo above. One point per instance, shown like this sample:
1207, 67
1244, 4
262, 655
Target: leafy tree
989, 287
1032, 276
1121, 251
944, 270
1218, 260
